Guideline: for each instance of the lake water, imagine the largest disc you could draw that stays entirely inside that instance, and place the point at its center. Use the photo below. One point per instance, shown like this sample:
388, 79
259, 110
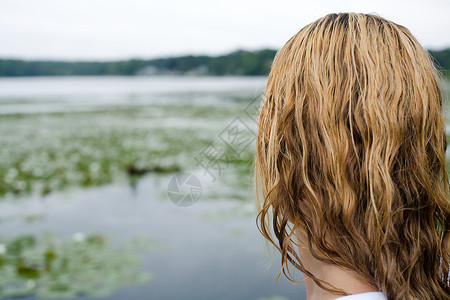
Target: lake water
69, 150
59, 94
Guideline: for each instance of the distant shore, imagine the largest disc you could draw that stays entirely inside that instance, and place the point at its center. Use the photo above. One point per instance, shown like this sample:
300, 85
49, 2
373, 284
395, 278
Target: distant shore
241, 62
249, 63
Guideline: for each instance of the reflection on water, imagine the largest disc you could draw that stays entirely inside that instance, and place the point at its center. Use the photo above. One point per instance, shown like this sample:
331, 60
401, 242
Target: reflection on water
210, 250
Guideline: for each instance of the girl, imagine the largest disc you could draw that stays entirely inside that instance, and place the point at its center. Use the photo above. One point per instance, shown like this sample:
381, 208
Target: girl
350, 162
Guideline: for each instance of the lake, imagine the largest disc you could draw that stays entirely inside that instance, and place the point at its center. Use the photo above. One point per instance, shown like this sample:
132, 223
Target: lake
132, 188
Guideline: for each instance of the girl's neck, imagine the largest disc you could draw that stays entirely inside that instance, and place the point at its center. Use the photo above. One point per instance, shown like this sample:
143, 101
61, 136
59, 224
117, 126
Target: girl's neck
347, 280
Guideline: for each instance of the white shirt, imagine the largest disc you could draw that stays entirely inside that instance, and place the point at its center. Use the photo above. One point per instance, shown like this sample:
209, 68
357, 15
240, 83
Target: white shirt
364, 296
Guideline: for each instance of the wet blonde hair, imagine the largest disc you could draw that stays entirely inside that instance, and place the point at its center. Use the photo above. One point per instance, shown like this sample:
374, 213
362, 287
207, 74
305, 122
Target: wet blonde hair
351, 153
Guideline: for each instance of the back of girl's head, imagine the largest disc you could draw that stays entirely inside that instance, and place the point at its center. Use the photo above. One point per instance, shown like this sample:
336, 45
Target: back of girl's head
351, 155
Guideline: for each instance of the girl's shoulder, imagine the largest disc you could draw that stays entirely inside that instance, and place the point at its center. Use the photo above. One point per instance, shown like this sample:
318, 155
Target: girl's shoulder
364, 296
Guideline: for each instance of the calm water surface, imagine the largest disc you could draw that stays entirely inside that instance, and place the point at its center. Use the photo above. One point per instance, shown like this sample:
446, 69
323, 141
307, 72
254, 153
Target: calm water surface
211, 250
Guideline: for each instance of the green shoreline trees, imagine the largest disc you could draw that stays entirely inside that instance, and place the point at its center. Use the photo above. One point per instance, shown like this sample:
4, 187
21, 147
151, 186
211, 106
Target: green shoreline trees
240, 62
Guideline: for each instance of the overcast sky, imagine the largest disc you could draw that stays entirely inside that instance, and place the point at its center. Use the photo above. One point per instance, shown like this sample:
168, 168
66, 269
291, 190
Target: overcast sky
119, 29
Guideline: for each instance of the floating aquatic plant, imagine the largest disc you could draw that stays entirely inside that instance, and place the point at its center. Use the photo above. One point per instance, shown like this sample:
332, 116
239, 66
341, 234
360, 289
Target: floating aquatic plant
41, 153
51, 268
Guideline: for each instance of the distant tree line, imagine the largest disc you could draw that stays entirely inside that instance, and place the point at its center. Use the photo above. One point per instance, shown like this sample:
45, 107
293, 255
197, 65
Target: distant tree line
442, 60
237, 63
240, 62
